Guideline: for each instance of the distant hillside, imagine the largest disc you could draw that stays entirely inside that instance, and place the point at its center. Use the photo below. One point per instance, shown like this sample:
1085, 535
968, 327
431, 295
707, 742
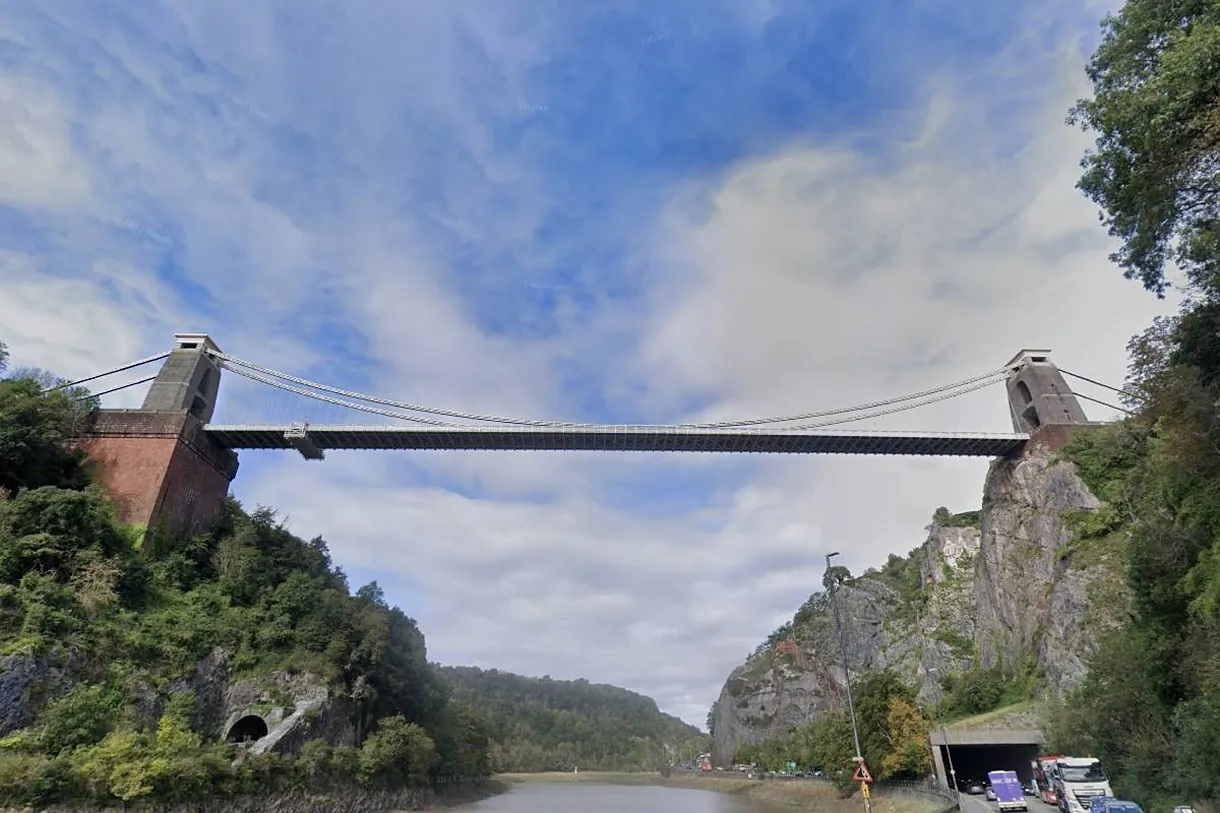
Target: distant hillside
540, 724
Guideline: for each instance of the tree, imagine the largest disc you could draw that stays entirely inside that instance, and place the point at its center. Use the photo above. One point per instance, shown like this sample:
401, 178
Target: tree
874, 695
35, 431
399, 753
836, 574
1156, 111
907, 730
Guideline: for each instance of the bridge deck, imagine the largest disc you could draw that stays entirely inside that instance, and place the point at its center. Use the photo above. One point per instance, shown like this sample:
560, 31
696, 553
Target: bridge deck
624, 439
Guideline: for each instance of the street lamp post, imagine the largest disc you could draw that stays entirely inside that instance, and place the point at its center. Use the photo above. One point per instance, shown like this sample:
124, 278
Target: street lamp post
944, 732
851, 706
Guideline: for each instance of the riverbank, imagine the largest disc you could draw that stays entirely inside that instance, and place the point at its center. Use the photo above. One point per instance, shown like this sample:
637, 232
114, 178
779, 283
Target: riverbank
347, 800
796, 794
596, 777
821, 796
464, 794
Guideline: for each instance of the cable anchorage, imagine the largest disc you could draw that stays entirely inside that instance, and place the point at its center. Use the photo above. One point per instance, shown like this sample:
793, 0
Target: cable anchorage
124, 368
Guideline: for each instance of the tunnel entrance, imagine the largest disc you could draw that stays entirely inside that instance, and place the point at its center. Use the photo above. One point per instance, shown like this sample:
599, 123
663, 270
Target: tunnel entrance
247, 729
975, 753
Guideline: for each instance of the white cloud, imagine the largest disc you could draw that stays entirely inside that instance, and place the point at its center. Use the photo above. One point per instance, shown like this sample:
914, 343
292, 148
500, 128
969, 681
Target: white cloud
63, 325
39, 165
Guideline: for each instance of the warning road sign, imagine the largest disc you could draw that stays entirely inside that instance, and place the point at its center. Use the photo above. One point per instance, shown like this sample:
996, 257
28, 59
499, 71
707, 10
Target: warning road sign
862, 774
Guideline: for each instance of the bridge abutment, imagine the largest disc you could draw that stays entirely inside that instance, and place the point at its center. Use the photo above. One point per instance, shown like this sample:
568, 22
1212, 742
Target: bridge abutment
161, 469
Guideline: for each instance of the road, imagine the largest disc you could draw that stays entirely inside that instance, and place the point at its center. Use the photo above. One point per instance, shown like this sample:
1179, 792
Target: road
979, 804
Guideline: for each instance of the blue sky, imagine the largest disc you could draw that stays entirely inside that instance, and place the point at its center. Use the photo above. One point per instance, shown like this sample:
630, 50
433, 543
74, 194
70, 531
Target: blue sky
617, 212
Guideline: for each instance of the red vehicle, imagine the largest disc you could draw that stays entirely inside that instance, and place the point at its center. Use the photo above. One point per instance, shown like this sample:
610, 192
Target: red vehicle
1044, 778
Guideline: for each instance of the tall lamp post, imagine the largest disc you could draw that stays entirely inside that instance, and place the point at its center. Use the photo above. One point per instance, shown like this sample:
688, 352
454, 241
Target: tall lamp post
944, 733
851, 705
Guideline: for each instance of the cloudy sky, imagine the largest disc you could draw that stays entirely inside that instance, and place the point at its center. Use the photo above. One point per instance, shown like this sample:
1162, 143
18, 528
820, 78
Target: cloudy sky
606, 211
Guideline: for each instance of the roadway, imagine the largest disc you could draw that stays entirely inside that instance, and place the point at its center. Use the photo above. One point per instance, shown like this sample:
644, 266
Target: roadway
979, 804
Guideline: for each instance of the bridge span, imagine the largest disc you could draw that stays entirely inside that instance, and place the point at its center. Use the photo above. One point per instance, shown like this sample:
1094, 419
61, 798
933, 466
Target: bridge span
312, 441
169, 463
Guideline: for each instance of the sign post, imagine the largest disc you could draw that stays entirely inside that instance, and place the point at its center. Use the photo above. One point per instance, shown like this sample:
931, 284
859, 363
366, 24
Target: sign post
863, 776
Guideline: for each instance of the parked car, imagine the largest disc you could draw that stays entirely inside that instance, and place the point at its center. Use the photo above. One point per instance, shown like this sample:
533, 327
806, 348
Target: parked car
974, 787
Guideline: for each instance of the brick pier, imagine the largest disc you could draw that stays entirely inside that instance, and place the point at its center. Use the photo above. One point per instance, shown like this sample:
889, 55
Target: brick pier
157, 463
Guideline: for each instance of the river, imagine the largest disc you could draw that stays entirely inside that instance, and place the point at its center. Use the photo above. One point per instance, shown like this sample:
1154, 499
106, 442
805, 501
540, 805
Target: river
587, 797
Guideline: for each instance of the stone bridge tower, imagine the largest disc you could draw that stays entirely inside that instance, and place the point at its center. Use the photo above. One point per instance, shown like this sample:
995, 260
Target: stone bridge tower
158, 464
1040, 400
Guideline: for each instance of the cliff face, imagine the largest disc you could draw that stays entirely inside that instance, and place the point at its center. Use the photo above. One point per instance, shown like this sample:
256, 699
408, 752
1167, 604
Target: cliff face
1003, 586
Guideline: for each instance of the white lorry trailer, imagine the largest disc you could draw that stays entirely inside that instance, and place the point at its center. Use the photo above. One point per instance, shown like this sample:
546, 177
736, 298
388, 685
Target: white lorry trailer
1077, 781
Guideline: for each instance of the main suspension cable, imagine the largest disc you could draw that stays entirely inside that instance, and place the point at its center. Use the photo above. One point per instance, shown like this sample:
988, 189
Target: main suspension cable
902, 407
443, 425
327, 399
228, 362
125, 367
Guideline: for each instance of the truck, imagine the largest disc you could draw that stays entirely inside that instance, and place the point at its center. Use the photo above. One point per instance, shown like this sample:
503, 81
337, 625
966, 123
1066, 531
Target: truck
1007, 788
1077, 781
1043, 768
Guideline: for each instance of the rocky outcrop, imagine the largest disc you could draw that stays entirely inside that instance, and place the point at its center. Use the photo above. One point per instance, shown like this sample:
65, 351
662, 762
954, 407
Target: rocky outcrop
29, 681
1002, 586
1021, 557
293, 707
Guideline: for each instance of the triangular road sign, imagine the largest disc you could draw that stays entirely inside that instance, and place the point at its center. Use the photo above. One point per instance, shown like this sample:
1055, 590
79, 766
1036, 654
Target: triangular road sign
862, 774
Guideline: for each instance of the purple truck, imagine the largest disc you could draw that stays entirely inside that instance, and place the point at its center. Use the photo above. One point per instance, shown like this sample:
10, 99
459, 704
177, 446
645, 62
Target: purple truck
1009, 794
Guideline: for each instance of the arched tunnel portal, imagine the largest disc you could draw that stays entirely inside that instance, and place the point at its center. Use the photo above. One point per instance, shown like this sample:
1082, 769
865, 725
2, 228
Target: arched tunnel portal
247, 729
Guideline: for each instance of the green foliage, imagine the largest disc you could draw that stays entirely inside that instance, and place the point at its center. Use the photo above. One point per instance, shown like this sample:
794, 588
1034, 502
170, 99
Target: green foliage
540, 724
965, 519
824, 745
1149, 704
398, 754
34, 434
973, 691
138, 617
1156, 112
893, 736
960, 645
902, 574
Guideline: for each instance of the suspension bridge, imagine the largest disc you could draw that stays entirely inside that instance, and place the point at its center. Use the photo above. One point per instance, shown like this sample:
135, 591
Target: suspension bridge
189, 381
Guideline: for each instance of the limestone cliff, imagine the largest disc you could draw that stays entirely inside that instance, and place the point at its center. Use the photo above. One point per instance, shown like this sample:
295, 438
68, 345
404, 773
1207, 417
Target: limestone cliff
1001, 586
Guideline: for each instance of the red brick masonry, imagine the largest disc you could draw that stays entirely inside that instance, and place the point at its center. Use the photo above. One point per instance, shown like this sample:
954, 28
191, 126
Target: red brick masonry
160, 468
1055, 436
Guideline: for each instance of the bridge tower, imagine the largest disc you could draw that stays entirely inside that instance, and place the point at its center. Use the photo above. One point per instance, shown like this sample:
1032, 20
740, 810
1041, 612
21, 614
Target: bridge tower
158, 464
1040, 400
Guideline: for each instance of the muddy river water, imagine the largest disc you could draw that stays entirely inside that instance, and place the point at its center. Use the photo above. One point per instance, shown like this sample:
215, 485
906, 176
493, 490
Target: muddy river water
583, 797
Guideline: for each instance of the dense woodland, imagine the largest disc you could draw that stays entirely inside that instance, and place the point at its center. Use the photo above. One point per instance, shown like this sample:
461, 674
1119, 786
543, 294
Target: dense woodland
540, 724
1151, 704
132, 614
